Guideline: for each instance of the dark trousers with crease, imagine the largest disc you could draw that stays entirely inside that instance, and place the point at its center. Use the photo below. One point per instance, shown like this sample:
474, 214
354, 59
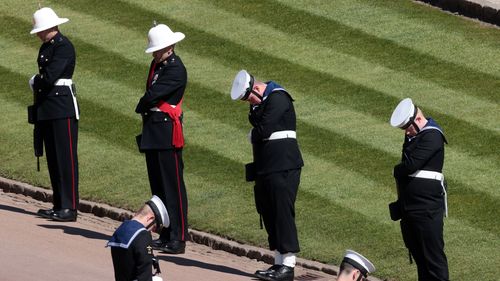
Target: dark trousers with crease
275, 195
422, 232
166, 178
60, 137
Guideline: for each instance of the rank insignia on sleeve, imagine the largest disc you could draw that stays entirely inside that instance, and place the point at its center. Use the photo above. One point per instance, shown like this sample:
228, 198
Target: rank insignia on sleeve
150, 250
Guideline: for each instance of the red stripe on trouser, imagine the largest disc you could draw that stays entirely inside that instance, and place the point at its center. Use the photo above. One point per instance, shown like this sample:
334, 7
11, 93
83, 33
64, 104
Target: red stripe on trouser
179, 191
72, 164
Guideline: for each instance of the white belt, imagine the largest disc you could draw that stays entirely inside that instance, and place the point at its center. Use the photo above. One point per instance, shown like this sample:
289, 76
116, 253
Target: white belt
69, 83
64, 82
432, 175
282, 135
156, 109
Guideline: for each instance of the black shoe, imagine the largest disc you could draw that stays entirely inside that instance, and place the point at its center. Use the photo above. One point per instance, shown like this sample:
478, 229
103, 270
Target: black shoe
174, 247
283, 273
263, 273
64, 215
45, 213
158, 244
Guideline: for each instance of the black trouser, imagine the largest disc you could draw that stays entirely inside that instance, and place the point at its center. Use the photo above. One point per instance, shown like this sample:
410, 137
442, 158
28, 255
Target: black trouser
423, 235
61, 142
275, 195
165, 171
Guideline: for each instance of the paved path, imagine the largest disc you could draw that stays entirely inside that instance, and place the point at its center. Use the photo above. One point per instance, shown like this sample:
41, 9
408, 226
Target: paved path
33, 248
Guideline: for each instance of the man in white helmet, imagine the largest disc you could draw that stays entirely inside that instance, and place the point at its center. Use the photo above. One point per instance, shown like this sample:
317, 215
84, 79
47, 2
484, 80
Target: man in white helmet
55, 114
276, 167
354, 267
131, 248
422, 200
162, 137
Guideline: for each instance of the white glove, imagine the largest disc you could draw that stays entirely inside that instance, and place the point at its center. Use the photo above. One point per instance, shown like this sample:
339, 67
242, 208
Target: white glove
32, 82
157, 278
249, 136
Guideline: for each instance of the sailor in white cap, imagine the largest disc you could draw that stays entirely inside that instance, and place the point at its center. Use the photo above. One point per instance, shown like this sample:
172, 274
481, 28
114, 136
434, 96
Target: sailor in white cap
276, 167
354, 267
162, 138
131, 248
55, 113
422, 200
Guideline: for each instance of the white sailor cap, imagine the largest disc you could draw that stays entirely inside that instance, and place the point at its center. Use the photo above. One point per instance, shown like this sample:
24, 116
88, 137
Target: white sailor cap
242, 85
160, 212
358, 261
404, 114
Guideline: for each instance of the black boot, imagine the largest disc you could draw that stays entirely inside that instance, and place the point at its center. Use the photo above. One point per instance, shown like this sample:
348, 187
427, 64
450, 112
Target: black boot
45, 213
283, 273
174, 247
157, 244
262, 274
64, 215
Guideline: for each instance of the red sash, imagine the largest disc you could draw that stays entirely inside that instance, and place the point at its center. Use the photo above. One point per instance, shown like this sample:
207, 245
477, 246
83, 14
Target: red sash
175, 114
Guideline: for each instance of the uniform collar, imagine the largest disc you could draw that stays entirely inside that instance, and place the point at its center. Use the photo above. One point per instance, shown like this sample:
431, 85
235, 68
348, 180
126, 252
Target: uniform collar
55, 39
170, 59
271, 87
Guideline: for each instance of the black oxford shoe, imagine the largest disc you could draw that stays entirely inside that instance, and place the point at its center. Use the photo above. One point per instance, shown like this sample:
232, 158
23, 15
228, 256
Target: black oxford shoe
262, 274
64, 215
174, 247
283, 273
45, 213
157, 244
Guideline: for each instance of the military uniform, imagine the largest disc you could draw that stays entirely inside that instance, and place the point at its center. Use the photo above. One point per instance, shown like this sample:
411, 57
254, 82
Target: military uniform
131, 252
162, 141
422, 200
277, 162
56, 118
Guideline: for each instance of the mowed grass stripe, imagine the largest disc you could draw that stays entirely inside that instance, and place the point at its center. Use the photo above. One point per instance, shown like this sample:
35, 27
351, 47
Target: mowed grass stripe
420, 27
353, 149
473, 258
369, 47
350, 162
324, 59
237, 56
226, 166
231, 142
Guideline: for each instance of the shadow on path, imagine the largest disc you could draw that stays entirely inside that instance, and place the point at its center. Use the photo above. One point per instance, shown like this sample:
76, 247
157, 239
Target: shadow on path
78, 231
214, 267
16, 210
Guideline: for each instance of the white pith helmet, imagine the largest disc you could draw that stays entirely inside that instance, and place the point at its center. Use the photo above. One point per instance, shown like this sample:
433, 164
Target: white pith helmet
161, 36
44, 19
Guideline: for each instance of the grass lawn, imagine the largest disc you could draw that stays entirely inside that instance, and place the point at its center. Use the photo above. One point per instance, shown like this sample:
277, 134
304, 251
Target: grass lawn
346, 62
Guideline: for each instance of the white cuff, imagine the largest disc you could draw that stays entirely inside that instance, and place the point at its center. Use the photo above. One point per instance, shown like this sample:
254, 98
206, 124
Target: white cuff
32, 82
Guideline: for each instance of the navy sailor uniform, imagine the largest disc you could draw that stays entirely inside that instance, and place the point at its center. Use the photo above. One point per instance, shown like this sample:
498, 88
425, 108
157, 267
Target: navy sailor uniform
278, 164
131, 252
56, 117
422, 201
